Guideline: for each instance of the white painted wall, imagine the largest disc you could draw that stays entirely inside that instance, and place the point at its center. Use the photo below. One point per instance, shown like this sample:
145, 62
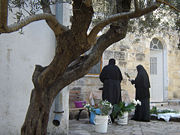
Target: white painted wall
63, 128
18, 56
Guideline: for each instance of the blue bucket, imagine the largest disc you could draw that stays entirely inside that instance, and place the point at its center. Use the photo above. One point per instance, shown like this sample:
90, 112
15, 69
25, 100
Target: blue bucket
92, 115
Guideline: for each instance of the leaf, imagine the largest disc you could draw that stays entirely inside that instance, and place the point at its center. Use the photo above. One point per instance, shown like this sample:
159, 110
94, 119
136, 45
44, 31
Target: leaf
121, 107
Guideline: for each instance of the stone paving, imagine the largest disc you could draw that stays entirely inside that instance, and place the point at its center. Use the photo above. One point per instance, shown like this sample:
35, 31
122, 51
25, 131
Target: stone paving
82, 127
154, 127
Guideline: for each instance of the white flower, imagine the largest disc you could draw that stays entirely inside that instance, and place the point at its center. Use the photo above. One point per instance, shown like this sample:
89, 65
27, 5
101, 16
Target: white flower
134, 102
87, 105
126, 104
138, 102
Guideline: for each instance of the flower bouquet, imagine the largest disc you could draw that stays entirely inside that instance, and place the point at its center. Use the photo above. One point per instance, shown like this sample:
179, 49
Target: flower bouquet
104, 106
99, 115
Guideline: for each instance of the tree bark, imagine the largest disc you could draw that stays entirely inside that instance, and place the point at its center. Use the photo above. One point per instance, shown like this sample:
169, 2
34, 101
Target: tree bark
3, 14
38, 114
55, 76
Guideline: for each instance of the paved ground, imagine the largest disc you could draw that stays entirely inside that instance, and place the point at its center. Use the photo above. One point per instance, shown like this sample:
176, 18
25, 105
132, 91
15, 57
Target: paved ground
154, 127
82, 127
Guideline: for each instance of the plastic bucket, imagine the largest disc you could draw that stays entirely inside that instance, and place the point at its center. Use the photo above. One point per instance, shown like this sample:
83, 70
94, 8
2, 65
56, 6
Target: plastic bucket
79, 104
101, 124
123, 120
93, 115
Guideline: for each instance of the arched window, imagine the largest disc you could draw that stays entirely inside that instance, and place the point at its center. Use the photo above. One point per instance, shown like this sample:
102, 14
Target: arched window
156, 44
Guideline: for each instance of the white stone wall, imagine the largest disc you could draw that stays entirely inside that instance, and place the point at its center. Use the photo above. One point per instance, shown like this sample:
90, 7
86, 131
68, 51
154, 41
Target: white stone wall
18, 56
63, 128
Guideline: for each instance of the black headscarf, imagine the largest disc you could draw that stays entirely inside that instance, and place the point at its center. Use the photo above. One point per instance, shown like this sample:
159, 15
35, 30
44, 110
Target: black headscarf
142, 72
112, 62
111, 71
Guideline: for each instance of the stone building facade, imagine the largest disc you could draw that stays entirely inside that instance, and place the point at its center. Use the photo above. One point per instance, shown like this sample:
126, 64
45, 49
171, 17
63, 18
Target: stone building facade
160, 56
158, 52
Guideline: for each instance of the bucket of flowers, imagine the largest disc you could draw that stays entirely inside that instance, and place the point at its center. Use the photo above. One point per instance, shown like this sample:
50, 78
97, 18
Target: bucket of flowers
121, 110
99, 115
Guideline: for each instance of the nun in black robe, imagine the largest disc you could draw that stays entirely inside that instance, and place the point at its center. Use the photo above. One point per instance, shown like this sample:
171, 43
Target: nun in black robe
142, 85
111, 78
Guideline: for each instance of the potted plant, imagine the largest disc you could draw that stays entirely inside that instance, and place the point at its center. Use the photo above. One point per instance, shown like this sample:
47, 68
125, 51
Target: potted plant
100, 113
121, 110
165, 114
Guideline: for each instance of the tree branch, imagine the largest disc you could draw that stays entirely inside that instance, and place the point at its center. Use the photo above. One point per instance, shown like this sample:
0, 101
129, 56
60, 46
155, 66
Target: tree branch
3, 14
74, 72
126, 15
136, 5
46, 9
82, 14
27, 20
38, 70
166, 3
88, 3
83, 64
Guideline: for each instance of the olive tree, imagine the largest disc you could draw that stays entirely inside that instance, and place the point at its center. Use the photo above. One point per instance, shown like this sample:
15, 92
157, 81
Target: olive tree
68, 63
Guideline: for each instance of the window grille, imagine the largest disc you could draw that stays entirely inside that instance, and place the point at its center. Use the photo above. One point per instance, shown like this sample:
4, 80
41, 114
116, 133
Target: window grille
153, 65
156, 44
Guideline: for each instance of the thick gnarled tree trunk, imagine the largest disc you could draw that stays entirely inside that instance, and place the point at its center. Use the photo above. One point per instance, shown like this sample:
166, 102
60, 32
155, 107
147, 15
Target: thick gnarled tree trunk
3, 14
38, 114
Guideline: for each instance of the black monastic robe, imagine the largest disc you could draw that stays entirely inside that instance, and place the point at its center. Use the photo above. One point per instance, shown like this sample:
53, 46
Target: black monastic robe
142, 85
111, 77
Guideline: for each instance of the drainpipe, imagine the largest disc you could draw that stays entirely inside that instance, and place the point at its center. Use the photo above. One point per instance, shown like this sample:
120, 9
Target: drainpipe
63, 13
58, 106
58, 109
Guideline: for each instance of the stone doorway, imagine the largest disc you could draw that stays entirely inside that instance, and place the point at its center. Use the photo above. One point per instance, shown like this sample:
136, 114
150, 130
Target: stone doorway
156, 71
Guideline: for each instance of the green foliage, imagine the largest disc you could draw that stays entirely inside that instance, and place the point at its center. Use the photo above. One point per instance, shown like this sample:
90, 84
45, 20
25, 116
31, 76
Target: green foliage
121, 107
164, 18
30, 7
154, 110
104, 106
105, 8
